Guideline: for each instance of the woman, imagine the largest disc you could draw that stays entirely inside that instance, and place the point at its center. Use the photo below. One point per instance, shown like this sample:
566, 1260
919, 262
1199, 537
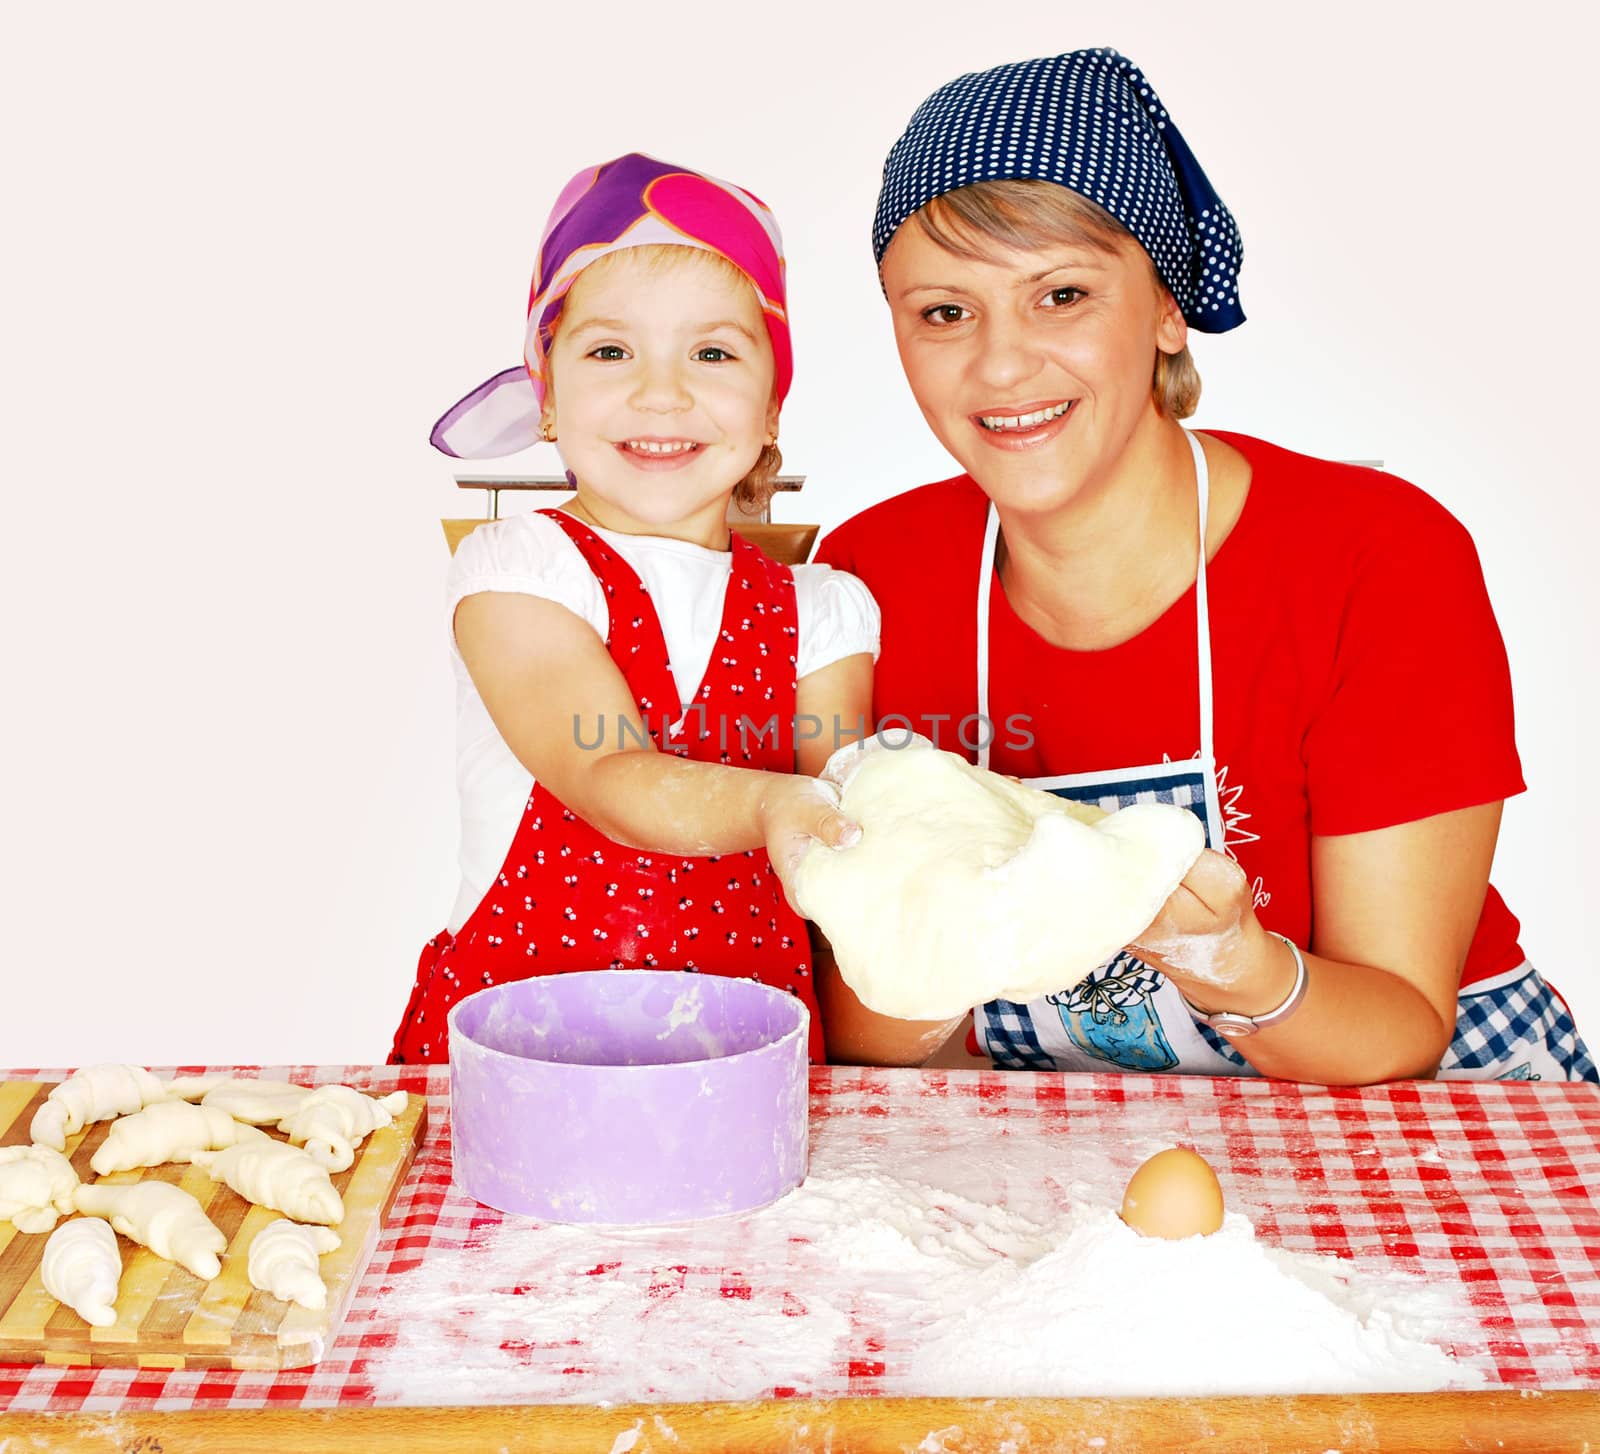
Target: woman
1301, 652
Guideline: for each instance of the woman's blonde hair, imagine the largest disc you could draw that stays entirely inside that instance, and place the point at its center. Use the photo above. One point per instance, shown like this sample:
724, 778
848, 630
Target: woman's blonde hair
1030, 215
754, 491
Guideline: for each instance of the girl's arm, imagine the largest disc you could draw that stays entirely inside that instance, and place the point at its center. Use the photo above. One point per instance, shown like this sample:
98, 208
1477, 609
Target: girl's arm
834, 709
1395, 911
565, 710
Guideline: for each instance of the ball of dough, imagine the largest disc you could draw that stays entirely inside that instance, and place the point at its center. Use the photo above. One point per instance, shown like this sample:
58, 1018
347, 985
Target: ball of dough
967, 887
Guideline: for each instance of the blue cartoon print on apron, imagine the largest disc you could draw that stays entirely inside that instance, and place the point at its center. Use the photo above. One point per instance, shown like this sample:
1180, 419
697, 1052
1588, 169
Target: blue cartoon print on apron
1111, 1015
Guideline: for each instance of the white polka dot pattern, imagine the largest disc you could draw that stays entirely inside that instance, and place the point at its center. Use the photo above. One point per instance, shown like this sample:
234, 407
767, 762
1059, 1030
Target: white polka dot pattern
1087, 120
569, 898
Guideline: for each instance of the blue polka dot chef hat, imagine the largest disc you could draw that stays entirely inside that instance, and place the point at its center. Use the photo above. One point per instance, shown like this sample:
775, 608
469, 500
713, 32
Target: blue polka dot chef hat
1087, 120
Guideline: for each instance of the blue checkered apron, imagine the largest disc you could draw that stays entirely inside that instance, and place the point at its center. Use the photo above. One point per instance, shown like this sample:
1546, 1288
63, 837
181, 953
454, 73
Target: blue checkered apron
1515, 1027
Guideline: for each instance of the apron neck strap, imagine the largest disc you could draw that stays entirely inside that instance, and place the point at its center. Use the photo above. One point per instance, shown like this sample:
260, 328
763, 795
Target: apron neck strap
991, 536
1202, 614
1202, 602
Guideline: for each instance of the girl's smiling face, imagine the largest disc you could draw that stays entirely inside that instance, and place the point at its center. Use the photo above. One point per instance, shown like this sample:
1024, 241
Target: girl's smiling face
1033, 368
661, 390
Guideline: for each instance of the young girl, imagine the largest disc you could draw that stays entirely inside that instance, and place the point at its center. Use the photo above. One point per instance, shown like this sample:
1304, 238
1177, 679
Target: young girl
629, 674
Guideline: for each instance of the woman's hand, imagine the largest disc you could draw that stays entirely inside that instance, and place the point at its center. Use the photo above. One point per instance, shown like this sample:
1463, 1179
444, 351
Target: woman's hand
1395, 911
795, 811
1208, 941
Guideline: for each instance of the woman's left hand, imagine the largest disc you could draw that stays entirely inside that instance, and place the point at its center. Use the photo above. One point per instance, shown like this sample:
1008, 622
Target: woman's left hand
1208, 941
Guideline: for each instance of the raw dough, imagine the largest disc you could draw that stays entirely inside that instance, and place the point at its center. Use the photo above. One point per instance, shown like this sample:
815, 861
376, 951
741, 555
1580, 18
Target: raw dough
168, 1131
81, 1268
334, 1119
36, 1187
162, 1217
273, 1175
95, 1093
283, 1262
968, 887
260, 1102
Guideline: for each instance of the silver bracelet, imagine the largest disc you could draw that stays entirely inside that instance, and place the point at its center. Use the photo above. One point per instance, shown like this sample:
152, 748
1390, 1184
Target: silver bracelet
1236, 1026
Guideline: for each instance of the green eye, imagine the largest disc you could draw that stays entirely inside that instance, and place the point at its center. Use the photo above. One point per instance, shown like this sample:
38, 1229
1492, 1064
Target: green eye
722, 354
609, 352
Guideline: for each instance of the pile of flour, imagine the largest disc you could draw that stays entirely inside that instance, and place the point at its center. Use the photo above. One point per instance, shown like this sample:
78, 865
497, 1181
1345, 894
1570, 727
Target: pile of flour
1107, 1311
955, 1296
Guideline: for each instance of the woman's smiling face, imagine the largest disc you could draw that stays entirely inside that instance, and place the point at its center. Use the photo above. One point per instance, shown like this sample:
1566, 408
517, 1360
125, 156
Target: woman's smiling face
1033, 368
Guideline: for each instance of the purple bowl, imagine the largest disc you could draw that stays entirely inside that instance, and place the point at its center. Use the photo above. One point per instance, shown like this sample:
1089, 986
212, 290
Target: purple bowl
628, 1096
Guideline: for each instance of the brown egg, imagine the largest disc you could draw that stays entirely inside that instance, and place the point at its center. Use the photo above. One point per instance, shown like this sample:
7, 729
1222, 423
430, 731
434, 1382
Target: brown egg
1174, 1194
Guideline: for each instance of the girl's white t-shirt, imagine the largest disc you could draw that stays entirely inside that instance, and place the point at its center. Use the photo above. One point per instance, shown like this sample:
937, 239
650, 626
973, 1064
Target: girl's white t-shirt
532, 554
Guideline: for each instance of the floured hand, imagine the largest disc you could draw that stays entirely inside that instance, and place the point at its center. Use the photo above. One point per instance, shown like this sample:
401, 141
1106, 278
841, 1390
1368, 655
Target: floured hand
798, 812
1207, 937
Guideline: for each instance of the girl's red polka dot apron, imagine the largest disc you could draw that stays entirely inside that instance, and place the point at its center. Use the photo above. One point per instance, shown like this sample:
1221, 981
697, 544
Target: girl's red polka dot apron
569, 898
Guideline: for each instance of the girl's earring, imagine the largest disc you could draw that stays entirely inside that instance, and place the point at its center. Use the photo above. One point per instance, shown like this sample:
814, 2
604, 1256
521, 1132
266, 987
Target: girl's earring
547, 432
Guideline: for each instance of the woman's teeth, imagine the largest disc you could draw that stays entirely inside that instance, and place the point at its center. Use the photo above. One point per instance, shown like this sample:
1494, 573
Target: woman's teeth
656, 446
1024, 421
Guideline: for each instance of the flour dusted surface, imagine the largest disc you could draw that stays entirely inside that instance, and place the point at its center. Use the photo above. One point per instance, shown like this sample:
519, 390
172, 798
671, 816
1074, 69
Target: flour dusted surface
965, 1262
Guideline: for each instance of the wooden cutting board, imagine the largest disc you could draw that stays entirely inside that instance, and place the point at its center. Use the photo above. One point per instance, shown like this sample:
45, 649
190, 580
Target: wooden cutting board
166, 1316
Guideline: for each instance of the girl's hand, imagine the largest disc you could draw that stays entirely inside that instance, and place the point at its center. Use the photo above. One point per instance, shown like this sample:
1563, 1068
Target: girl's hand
1208, 941
796, 810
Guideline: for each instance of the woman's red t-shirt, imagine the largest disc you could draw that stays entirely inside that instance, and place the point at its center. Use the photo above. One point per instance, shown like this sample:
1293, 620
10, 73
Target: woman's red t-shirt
1360, 678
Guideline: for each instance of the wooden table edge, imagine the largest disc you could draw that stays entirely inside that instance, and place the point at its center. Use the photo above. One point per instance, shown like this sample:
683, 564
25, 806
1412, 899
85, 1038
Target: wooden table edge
1416, 1423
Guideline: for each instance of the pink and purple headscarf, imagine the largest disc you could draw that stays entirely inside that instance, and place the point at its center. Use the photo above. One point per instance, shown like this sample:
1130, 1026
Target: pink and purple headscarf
634, 201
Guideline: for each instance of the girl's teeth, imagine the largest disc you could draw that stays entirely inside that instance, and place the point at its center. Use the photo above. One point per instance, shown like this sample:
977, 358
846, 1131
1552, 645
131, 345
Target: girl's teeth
651, 446
1024, 421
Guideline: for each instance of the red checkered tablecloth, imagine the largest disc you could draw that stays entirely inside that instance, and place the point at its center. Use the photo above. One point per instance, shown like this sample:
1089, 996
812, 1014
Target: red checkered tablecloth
1490, 1189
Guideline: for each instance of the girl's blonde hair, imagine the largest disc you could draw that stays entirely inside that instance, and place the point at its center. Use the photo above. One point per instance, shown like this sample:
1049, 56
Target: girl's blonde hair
1030, 215
758, 486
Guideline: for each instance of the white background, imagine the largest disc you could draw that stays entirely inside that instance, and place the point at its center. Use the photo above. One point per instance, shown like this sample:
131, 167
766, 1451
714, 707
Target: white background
250, 253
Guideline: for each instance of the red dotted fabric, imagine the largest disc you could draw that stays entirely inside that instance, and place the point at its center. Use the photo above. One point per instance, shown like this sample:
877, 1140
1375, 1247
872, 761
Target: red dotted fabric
569, 898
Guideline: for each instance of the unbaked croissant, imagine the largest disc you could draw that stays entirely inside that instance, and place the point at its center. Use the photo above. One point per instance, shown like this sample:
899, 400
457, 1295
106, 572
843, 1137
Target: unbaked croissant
274, 1175
95, 1093
167, 1131
81, 1267
260, 1102
162, 1217
36, 1186
283, 1262
335, 1119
